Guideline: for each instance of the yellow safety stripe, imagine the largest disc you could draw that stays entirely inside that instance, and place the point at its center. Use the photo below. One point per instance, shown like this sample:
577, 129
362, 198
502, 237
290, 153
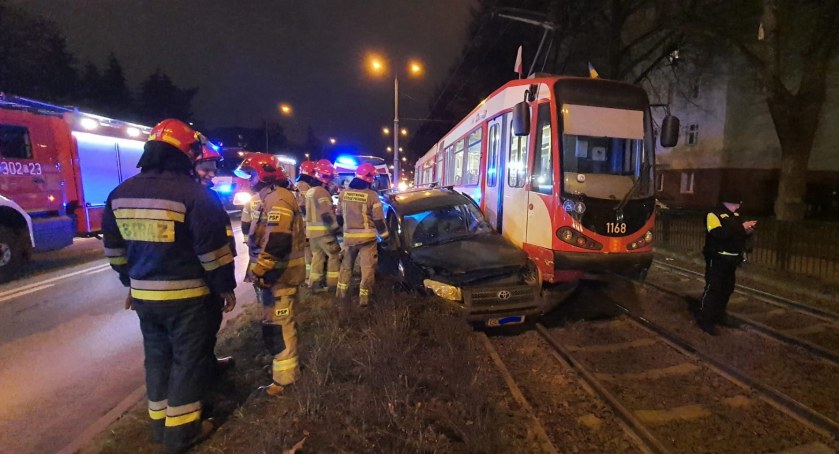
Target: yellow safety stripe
727, 253
216, 254
332, 274
229, 231
317, 228
343, 286
147, 213
166, 285
281, 210
114, 252
296, 262
315, 276
360, 235
118, 260
174, 421
712, 221
157, 415
157, 409
363, 292
221, 261
325, 200
166, 295
159, 204
285, 364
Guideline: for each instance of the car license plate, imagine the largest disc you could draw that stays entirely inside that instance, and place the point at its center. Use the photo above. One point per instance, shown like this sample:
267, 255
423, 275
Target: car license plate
511, 320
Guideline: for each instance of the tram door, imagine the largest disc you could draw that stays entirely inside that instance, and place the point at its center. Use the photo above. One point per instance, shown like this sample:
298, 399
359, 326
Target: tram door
514, 214
494, 189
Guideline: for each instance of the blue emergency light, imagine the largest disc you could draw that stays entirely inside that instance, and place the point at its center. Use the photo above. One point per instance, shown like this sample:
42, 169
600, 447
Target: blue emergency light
346, 160
224, 188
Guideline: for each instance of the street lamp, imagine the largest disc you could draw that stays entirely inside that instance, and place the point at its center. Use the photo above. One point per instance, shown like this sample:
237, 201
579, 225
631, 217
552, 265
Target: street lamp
377, 66
332, 140
306, 155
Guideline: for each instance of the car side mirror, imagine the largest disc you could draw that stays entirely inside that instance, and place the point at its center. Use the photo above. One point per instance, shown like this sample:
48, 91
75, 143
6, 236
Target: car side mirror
669, 131
521, 119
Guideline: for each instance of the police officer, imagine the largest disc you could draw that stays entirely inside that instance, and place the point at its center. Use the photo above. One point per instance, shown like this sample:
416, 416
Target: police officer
276, 267
361, 212
165, 236
322, 229
205, 168
304, 183
725, 241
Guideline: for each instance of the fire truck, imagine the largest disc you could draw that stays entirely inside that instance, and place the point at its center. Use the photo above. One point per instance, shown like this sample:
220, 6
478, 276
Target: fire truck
57, 167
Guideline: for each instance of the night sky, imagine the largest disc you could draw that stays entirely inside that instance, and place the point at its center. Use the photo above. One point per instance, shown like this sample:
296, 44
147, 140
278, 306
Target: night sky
246, 57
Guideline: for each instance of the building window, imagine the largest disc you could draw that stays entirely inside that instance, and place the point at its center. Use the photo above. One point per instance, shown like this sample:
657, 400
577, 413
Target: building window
693, 134
14, 142
694, 90
687, 183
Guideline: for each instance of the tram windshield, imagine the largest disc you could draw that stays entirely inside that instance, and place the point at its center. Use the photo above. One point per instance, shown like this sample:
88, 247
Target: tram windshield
610, 168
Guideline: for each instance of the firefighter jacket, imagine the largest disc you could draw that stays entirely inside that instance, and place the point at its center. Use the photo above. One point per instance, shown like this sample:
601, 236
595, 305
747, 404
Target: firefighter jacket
362, 214
248, 211
304, 183
320, 216
165, 236
277, 239
725, 234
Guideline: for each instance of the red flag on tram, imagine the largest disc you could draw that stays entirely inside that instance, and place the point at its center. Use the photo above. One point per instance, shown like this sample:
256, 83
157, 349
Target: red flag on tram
518, 68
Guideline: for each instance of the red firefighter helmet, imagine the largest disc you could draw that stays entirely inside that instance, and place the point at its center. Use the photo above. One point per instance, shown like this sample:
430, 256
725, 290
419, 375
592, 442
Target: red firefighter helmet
324, 171
208, 153
307, 168
262, 166
179, 135
366, 172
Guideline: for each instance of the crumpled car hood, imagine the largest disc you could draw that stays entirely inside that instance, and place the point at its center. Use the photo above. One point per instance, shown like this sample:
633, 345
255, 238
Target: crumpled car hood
484, 255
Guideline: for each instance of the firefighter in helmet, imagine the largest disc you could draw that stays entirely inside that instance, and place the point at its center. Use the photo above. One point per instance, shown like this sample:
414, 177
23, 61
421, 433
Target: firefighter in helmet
205, 169
322, 229
165, 236
276, 267
304, 183
361, 212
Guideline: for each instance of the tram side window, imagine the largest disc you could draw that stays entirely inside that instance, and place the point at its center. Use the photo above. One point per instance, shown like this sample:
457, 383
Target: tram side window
473, 157
517, 160
492, 154
543, 176
455, 164
14, 142
438, 174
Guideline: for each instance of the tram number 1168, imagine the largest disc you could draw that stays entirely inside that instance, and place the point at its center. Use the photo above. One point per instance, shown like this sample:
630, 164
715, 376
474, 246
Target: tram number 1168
615, 227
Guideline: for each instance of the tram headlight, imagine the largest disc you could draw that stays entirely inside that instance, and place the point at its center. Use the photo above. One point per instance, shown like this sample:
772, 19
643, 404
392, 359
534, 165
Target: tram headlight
648, 237
640, 242
575, 238
445, 291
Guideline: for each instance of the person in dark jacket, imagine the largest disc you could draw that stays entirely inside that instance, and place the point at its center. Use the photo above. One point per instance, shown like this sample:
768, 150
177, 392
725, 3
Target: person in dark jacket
725, 241
205, 168
166, 238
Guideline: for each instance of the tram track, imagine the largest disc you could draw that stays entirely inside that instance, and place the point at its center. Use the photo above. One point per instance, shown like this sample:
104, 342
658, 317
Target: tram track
811, 328
725, 396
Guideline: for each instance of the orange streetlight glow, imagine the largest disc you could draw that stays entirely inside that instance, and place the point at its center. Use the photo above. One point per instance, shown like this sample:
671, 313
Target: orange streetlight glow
385, 131
285, 109
404, 132
415, 68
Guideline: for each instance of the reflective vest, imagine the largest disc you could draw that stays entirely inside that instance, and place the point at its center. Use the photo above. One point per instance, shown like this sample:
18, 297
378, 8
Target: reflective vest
320, 217
361, 209
302, 188
277, 239
166, 236
725, 234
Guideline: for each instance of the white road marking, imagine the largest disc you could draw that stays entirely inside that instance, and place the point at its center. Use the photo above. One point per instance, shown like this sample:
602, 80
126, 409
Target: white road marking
55, 279
25, 292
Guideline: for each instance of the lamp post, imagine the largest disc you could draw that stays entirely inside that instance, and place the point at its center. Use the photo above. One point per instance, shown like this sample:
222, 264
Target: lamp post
377, 66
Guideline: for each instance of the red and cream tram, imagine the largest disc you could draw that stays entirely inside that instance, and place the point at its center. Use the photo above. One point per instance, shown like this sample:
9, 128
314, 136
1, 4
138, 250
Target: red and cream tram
574, 186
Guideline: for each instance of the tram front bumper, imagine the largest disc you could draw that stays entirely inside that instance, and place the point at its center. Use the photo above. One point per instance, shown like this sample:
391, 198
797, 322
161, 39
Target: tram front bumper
602, 262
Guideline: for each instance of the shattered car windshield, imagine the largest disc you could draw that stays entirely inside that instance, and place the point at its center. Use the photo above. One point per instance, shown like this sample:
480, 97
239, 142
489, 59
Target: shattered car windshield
444, 224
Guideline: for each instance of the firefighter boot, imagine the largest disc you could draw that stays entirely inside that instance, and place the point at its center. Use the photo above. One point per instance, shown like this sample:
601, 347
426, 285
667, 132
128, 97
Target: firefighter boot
342, 293
272, 390
364, 297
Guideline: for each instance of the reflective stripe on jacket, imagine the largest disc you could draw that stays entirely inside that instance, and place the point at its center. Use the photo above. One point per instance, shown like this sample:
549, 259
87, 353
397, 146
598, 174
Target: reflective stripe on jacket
725, 234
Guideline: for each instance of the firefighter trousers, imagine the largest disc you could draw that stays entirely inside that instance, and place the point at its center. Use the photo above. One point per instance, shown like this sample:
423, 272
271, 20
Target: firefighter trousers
307, 254
719, 285
279, 331
215, 308
368, 256
325, 249
176, 341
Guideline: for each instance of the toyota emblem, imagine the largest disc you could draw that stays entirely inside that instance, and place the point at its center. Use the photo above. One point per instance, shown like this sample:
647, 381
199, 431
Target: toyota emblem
504, 295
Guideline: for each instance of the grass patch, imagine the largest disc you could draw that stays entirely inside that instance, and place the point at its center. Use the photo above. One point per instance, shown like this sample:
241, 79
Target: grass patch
403, 375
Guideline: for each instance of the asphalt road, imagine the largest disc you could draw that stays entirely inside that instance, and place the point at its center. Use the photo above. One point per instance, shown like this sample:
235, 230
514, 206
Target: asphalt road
70, 356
